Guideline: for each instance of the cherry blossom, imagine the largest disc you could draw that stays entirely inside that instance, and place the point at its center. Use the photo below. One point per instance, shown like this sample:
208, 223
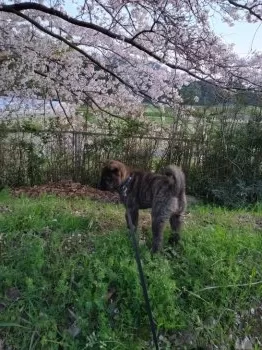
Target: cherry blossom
113, 54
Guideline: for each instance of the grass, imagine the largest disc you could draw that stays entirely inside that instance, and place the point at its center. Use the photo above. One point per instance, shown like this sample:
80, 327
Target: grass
154, 114
68, 278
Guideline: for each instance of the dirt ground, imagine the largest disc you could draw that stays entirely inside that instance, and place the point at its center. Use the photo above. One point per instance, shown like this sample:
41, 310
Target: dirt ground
68, 189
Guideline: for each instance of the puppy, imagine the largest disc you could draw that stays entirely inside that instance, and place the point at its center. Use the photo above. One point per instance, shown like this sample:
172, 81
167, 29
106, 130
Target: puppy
164, 193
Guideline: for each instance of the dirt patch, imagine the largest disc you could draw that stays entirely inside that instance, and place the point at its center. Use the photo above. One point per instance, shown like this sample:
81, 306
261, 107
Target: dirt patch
249, 219
68, 189
4, 209
259, 223
245, 219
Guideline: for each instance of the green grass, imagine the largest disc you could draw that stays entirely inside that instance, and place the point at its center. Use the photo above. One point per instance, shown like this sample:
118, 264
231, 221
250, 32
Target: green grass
71, 263
154, 114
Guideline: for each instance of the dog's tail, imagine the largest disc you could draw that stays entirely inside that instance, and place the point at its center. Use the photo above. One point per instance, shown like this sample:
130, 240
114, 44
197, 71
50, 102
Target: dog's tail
177, 178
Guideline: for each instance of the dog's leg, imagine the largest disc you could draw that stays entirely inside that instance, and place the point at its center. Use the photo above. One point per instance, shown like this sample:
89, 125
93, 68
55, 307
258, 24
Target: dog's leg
175, 223
133, 216
157, 230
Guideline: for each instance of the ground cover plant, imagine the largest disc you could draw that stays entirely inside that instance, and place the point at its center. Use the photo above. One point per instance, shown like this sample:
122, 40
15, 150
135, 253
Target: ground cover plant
68, 278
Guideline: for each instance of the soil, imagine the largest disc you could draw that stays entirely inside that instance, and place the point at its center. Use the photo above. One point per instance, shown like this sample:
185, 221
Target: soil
68, 189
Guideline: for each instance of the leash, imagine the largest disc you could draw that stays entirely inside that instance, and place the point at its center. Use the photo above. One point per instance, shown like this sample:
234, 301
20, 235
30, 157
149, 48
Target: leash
142, 280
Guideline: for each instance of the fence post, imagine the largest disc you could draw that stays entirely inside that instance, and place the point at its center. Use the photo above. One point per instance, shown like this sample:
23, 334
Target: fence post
74, 161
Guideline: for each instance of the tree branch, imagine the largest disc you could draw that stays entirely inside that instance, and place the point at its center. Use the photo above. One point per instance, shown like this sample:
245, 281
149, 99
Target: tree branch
196, 73
76, 48
245, 7
88, 98
16, 8
63, 109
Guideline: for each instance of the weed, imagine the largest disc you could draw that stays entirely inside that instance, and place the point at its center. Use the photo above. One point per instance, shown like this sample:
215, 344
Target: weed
68, 278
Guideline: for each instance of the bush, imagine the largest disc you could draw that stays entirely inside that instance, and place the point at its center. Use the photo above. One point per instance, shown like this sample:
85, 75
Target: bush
232, 165
219, 150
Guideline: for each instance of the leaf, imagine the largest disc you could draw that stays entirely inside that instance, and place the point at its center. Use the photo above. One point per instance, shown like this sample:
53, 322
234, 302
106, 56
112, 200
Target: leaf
12, 324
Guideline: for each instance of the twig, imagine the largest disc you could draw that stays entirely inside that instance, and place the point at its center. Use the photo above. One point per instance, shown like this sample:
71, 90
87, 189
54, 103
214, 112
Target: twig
230, 286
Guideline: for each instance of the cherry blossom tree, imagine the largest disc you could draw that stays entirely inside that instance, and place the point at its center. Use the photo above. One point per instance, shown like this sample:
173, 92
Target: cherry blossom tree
113, 54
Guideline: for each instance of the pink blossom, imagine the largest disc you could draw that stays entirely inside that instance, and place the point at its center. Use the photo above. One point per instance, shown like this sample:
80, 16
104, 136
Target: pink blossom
114, 54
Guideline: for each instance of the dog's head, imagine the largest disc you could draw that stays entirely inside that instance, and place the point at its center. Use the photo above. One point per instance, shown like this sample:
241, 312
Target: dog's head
113, 174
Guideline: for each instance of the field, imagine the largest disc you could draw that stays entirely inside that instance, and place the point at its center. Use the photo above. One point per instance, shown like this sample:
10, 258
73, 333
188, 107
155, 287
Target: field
68, 278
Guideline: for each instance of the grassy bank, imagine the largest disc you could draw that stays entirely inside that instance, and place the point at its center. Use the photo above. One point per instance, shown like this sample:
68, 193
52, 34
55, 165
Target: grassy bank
68, 278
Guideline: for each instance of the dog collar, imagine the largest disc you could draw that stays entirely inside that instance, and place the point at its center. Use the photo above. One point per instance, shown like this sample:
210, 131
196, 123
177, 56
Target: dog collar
124, 186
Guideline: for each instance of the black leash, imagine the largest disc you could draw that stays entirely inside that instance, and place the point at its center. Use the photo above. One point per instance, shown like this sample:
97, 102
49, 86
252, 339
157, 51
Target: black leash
142, 280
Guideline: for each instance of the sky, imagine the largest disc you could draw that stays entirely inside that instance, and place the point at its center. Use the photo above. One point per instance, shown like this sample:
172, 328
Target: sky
246, 37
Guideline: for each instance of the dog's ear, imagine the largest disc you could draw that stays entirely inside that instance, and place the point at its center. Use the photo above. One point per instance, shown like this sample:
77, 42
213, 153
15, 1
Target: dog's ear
118, 169
123, 173
105, 163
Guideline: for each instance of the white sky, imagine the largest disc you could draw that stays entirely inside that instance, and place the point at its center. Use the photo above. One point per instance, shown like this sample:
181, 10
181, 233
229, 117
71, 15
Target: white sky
246, 37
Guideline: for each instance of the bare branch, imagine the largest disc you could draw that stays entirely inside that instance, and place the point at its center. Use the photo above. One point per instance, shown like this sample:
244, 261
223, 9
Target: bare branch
64, 111
245, 7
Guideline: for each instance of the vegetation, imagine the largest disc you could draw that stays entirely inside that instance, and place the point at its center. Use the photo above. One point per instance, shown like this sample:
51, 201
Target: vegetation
202, 93
219, 148
68, 278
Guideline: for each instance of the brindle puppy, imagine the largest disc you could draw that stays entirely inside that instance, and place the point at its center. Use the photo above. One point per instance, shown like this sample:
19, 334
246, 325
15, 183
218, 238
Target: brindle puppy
164, 193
